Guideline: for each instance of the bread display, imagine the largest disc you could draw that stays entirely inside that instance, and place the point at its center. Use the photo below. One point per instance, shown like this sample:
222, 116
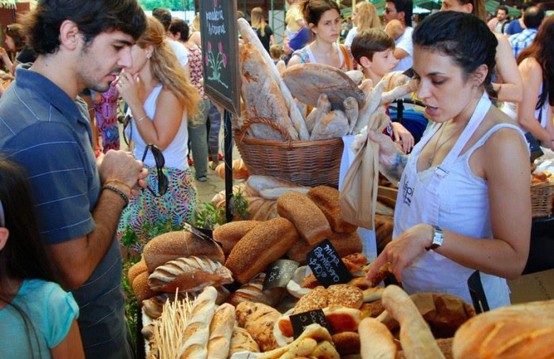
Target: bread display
327, 199
141, 288
253, 292
189, 274
308, 219
230, 233
136, 269
262, 245
173, 245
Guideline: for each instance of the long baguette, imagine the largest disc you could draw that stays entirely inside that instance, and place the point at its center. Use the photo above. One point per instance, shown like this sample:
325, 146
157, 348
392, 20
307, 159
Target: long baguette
197, 331
221, 330
376, 340
415, 335
296, 117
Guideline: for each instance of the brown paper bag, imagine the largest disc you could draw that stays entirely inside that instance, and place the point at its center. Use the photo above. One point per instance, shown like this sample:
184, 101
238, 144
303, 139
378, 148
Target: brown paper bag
358, 196
359, 193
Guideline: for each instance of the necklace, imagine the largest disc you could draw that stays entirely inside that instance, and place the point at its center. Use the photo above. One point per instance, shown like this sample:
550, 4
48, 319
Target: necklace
437, 146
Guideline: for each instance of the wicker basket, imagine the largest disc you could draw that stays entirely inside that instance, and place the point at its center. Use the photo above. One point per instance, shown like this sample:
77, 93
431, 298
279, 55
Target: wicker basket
542, 196
307, 163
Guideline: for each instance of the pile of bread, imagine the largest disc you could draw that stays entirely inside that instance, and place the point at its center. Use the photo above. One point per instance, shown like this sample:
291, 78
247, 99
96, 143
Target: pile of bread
308, 101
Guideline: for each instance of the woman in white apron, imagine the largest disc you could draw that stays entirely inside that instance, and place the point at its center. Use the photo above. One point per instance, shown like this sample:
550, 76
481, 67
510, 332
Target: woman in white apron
463, 201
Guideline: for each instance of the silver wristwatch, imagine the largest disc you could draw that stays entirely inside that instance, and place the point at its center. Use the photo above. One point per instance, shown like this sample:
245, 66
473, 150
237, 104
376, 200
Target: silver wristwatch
438, 238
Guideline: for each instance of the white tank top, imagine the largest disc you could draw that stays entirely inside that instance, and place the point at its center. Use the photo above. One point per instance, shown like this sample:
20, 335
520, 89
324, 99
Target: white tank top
176, 153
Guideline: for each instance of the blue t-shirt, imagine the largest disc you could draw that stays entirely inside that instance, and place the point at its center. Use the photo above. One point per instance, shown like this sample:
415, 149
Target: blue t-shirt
37, 319
49, 134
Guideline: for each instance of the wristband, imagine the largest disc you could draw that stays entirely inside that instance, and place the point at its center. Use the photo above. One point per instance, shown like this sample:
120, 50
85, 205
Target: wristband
119, 192
140, 119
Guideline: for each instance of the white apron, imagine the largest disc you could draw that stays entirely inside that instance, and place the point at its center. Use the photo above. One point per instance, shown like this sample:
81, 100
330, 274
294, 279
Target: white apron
419, 201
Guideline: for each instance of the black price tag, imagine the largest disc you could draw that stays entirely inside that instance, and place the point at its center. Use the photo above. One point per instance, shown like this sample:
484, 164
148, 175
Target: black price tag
477, 293
205, 234
301, 321
279, 273
327, 266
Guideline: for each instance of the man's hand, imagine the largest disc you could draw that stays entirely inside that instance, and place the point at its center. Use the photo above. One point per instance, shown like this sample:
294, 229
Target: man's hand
123, 167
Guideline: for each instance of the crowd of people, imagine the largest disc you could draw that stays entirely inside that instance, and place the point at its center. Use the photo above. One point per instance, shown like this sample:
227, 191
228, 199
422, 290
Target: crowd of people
64, 205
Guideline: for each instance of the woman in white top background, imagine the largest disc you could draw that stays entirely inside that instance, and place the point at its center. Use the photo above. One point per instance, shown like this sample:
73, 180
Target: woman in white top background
160, 99
324, 20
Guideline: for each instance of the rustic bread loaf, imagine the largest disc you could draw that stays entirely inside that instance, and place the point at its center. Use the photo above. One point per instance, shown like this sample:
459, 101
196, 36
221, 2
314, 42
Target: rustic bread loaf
173, 245
241, 340
136, 269
376, 340
141, 289
261, 246
327, 199
518, 331
189, 274
306, 216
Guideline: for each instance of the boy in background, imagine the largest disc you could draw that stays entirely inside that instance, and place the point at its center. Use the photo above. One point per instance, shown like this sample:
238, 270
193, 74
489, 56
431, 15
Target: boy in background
373, 50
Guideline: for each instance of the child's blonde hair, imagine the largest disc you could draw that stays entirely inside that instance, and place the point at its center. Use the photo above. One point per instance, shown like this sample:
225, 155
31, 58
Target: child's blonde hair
276, 51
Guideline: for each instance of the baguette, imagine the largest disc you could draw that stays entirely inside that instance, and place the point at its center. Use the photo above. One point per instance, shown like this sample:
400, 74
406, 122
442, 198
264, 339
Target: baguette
308, 219
173, 245
296, 118
221, 330
261, 246
376, 340
415, 335
197, 331
189, 274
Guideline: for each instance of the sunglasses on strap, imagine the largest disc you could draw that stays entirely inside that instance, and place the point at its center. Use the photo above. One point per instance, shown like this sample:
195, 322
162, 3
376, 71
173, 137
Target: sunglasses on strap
163, 181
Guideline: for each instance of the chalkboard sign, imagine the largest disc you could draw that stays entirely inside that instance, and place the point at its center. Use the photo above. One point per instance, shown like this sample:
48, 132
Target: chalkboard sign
327, 266
301, 321
279, 273
218, 22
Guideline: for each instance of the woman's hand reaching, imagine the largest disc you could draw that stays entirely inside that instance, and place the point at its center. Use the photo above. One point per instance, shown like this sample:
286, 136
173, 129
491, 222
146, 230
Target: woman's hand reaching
403, 251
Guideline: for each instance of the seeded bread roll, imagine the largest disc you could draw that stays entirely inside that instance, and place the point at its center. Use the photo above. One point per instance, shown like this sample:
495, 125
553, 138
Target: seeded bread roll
141, 289
345, 295
230, 233
306, 216
327, 199
173, 245
262, 245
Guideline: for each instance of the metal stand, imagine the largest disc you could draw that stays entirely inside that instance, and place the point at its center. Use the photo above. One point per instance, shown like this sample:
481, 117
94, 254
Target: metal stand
228, 153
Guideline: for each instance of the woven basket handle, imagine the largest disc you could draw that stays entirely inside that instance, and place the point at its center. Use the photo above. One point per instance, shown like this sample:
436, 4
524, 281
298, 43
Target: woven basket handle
264, 121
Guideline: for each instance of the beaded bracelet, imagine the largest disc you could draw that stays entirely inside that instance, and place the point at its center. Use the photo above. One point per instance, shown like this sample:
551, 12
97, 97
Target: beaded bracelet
119, 192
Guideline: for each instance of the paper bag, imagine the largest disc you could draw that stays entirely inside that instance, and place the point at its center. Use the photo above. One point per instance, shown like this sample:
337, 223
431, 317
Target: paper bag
358, 195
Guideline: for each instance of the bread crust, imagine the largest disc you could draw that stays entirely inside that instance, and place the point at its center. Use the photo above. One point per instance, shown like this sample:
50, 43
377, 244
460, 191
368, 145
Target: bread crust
327, 199
221, 330
230, 233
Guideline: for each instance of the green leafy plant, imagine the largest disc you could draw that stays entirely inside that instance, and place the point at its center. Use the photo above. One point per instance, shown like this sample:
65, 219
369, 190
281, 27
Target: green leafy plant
208, 216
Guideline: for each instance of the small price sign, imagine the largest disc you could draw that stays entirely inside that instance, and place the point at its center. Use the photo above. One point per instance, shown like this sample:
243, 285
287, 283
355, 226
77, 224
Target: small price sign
279, 273
327, 266
301, 321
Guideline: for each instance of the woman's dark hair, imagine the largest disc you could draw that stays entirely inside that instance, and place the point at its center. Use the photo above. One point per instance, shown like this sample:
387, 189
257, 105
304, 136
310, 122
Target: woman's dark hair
542, 49
312, 10
180, 26
42, 25
464, 37
16, 33
24, 256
